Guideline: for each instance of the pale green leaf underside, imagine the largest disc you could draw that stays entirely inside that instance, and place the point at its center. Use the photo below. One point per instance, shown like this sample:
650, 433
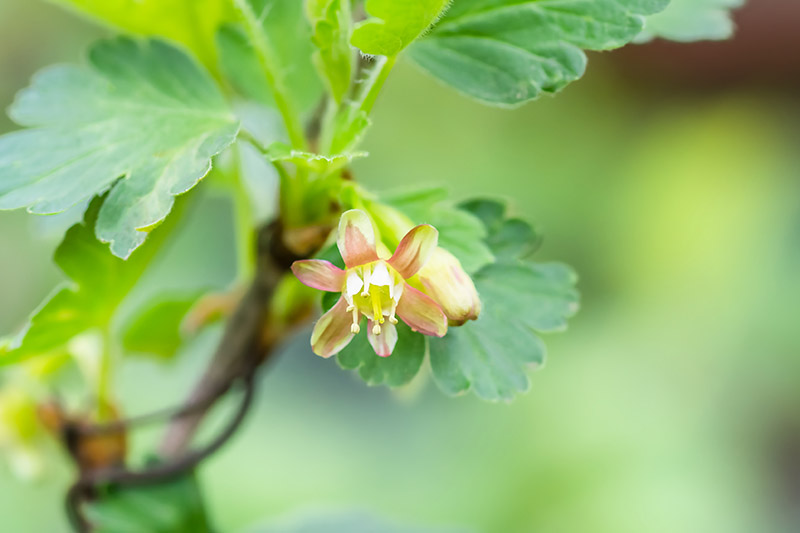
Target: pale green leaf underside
692, 20
395, 24
491, 355
142, 111
507, 52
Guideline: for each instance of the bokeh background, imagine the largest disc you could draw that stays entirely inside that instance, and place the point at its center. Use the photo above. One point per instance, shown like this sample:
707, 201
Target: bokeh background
669, 178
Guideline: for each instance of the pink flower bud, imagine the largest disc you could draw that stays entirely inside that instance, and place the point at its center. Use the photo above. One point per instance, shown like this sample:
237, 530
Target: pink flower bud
445, 280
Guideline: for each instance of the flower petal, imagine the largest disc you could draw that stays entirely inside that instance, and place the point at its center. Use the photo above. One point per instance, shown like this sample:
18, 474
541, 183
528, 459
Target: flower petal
414, 249
356, 238
332, 332
319, 274
384, 343
421, 313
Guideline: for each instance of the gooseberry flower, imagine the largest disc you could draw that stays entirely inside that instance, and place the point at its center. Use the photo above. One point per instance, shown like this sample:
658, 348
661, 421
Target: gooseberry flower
446, 281
373, 287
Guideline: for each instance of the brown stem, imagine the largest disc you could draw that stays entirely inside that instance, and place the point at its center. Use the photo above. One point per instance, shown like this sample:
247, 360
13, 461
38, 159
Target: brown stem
246, 344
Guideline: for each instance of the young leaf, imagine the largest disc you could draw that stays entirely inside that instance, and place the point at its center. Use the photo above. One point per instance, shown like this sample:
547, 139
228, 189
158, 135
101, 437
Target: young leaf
507, 52
692, 20
289, 36
396, 370
189, 22
171, 507
156, 328
142, 111
489, 356
99, 282
395, 24
316, 162
331, 24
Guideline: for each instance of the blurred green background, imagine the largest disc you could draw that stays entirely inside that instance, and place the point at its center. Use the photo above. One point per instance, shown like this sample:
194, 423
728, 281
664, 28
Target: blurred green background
671, 405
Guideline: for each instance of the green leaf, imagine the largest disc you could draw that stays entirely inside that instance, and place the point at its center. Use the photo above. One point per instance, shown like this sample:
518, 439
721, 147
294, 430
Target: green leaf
289, 36
490, 355
460, 232
396, 370
171, 507
395, 24
508, 238
99, 282
156, 327
142, 111
331, 24
508, 52
190, 22
692, 20
315, 162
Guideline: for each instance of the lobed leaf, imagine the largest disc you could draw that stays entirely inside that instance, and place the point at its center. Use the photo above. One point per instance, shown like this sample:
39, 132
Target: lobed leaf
142, 121
508, 52
395, 24
490, 356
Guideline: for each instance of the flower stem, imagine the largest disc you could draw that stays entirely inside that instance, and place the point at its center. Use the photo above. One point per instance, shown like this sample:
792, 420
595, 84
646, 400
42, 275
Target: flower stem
266, 57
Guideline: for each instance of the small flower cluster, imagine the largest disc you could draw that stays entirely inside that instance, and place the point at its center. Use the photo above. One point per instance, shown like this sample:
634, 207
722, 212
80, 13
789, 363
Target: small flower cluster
422, 284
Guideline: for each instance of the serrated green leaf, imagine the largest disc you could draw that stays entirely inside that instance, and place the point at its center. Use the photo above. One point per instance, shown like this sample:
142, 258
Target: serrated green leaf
98, 283
395, 24
142, 111
507, 52
289, 36
460, 232
171, 507
155, 328
316, 162
692, 20
490, 355
190, 22
331, 24
396, 370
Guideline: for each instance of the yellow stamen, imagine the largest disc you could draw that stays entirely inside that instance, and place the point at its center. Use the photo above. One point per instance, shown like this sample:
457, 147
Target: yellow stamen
377, 311
376, 329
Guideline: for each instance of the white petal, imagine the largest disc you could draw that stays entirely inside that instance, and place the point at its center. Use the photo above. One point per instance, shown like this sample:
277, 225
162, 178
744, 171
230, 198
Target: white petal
380, 275
354, 283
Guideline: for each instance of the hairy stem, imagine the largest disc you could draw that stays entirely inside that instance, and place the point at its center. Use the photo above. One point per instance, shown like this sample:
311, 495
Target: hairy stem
269, 66
374, 82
